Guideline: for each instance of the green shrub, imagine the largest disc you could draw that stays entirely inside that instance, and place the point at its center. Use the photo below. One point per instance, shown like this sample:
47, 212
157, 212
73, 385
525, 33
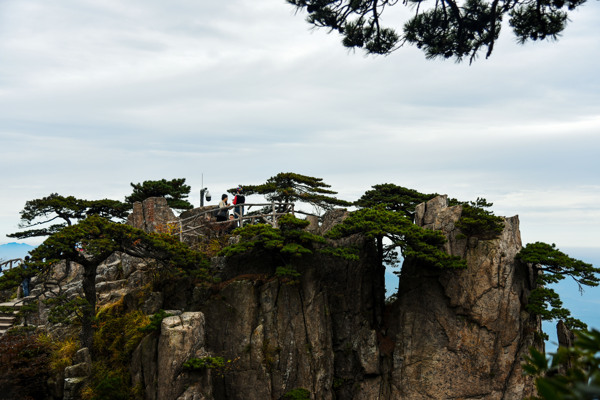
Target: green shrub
297, 394
288, 275
194, 364
118, 333
107, 383
62, 351
155, 322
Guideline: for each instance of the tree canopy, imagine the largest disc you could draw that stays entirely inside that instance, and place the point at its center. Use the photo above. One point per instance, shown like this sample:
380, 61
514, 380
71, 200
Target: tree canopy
393, 198
552, 266
287, 244
377, 223
446, 28
387, 212
175, 191
289, 187
65, 211
289, 240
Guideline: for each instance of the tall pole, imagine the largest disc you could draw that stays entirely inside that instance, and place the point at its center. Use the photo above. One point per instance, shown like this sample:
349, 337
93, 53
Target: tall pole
202, 190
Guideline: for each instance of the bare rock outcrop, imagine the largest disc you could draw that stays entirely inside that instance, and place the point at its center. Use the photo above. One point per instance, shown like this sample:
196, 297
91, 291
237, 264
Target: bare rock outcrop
157, 363
151, 215
461, 334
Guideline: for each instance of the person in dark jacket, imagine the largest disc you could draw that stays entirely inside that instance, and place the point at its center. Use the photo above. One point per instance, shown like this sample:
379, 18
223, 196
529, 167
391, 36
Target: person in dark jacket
238, 202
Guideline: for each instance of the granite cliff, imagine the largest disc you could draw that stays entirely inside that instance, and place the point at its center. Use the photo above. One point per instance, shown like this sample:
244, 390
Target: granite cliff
447, 335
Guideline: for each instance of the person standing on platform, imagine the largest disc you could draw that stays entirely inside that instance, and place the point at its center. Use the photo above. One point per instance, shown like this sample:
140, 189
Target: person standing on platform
238, 202
223, 213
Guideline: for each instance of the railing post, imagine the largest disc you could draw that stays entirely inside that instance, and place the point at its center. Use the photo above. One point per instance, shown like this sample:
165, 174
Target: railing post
180, 231
274, 216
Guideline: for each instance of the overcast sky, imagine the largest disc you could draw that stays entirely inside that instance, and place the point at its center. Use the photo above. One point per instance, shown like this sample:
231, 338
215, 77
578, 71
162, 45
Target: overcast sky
95, 95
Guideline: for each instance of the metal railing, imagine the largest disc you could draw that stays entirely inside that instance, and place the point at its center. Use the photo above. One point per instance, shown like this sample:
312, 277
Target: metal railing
10, 264
193, 226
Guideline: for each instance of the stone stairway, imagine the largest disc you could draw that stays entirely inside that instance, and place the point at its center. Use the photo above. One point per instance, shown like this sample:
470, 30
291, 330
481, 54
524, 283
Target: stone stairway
7, 317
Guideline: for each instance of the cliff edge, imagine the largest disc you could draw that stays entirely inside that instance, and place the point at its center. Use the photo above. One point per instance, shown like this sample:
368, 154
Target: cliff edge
329, 334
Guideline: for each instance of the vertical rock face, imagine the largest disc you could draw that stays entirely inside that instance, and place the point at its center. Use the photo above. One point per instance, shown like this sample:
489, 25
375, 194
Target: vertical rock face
315, 334
181, 338
460, 334
157, 363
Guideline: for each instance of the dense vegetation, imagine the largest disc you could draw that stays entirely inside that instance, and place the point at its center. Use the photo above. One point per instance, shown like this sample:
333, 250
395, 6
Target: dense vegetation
24, 365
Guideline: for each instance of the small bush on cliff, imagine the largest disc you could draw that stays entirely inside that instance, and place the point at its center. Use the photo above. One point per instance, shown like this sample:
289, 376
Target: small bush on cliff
290, 240
551, 266
288, 275
155, 322
175, 191
62, 351
108, 383
297, 394
118, 333
217, 364
204, 363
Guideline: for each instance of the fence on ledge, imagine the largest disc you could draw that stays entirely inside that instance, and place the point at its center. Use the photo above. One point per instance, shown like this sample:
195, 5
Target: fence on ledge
195, 224
10, 264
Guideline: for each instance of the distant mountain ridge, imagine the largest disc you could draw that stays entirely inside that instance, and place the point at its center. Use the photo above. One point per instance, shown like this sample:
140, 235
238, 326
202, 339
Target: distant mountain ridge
13, 250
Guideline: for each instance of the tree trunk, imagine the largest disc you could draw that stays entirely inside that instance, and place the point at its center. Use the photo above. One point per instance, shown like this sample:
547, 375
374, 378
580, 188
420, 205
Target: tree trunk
89, 310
